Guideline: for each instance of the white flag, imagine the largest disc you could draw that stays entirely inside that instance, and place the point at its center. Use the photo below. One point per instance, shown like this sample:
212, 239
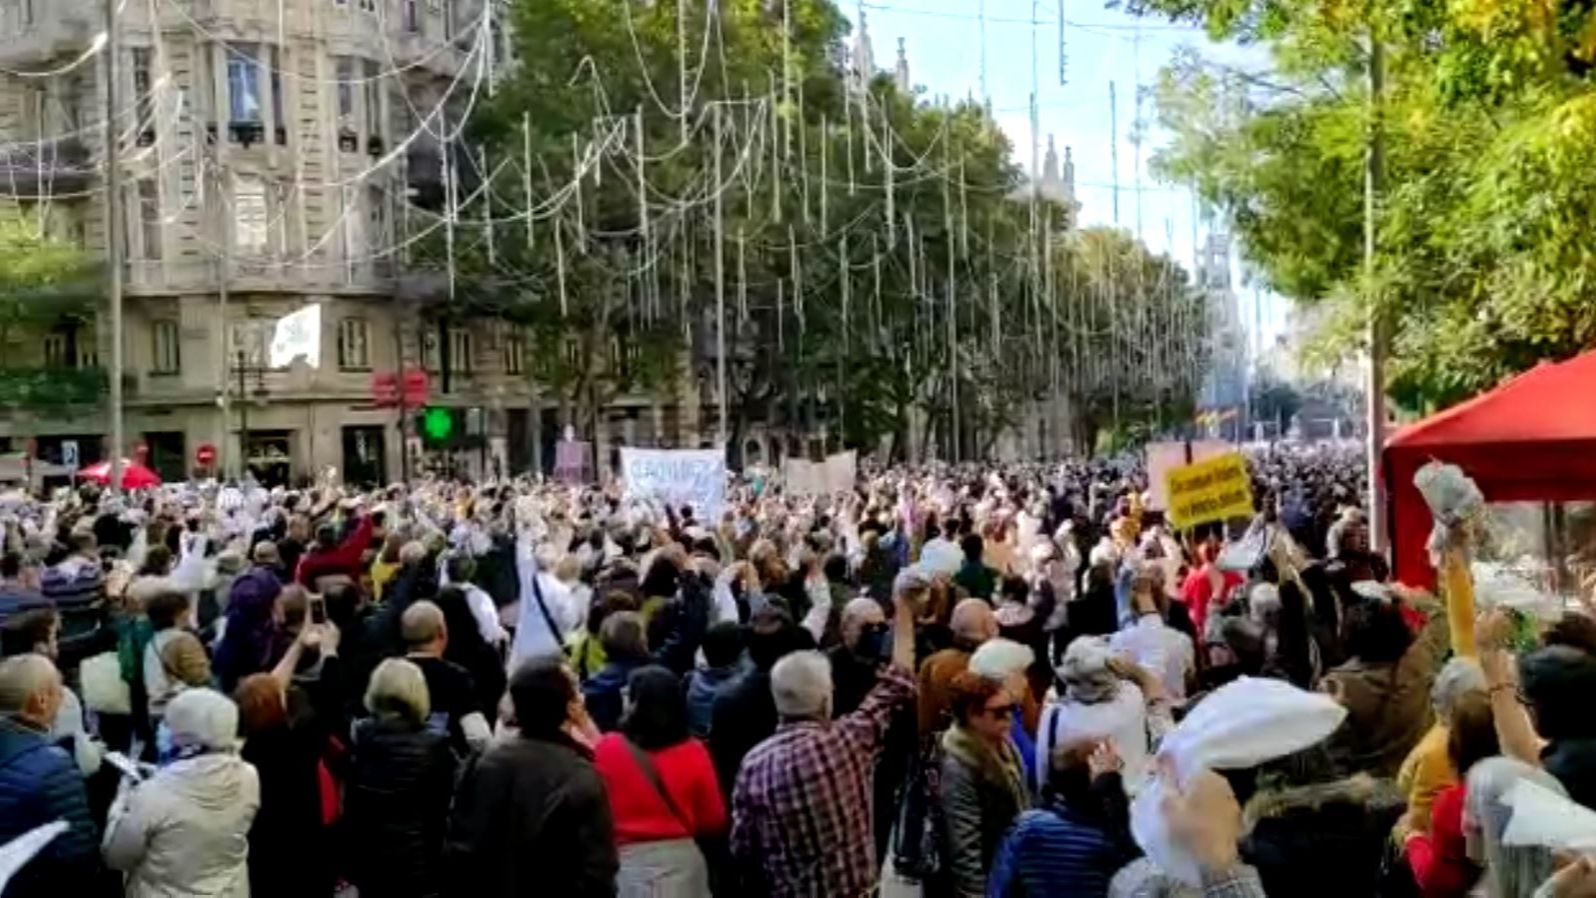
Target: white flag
297, 334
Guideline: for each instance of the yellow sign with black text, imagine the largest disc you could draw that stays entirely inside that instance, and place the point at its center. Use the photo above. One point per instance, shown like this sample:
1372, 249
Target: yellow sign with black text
1216, 489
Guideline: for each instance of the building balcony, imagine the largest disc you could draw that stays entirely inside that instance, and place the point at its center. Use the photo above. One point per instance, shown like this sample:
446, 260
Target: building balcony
60, 28
49, 168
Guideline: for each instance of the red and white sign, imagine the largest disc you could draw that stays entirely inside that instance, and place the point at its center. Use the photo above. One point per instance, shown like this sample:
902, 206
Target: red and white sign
388, 388
205, 455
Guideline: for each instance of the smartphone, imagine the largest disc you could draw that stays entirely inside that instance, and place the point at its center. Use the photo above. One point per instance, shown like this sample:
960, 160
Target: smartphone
318, 610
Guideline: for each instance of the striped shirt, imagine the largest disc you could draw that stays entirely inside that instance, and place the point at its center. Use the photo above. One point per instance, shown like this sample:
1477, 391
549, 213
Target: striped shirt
1058, 851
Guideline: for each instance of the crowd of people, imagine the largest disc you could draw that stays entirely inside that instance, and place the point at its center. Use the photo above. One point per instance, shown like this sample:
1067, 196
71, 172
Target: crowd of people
951, 681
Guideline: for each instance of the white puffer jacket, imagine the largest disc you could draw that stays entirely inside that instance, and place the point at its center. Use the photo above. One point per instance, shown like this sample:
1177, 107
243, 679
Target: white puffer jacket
185, 831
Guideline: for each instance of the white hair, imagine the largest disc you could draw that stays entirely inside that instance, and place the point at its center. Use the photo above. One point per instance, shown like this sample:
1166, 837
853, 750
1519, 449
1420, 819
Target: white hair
1458, 677
999, 659
800, 683
203, 717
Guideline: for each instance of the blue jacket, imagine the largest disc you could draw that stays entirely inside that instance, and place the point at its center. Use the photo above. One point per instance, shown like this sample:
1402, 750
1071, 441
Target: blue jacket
603, 693
703, 685
1059, 851
39, 784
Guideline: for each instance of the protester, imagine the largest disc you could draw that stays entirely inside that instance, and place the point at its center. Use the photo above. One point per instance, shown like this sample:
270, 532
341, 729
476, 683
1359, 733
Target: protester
453, 695
973, 623
1101, 700
800, 807
865, 642
662, 789
1510, 871
744, 712
468, 650
531, 814
1073, 843
1154, 645
1007, 663
39, 783
983, 782
1429, 768
397, 793
974, 575
253, 616
723, 663
286, 851
185, 830
1439, 856
174, 659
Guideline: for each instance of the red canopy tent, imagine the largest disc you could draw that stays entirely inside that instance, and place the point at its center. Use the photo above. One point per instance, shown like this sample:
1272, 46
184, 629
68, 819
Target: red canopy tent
134, 475
1532, 439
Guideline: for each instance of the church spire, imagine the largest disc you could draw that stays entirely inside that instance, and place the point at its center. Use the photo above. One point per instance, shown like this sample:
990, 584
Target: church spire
901, 72
864, 56
1050, 174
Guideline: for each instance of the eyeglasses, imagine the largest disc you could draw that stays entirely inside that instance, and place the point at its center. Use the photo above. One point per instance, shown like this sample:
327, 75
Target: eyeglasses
1001, 711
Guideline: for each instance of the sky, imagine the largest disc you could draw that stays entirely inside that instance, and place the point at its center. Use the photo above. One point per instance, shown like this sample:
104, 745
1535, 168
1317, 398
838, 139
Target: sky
1101, 46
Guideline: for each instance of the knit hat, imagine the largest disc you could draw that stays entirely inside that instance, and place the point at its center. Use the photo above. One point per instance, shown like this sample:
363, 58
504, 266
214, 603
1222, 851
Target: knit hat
203, 717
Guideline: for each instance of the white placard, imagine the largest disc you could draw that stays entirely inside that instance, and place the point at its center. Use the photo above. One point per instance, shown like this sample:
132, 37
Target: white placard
692, 477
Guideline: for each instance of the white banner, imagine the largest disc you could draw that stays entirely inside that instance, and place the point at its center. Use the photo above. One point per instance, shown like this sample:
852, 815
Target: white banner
836, 474
692, 477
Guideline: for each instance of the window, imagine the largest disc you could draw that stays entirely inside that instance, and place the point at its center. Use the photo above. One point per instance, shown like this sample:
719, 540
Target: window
150, 219
376, 222
275, 60
412, 16
448, 20
55, 351
243, 83
143, 101
460, 357
373, 93
167, 355
27, 12
346, 88
249, 214
514, 352
354, 345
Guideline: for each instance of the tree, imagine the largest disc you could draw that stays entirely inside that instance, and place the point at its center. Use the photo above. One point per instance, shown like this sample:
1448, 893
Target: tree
880, 281
1488, 112
44, 282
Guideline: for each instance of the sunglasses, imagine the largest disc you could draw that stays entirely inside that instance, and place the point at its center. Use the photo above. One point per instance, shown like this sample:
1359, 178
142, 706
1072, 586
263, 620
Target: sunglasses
1002, 711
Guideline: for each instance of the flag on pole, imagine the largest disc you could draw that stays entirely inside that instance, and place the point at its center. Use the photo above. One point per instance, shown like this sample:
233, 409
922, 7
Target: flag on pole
297, 334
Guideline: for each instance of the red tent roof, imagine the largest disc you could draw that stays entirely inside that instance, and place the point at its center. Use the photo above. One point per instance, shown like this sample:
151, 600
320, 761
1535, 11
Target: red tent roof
1552, 401
1532, 439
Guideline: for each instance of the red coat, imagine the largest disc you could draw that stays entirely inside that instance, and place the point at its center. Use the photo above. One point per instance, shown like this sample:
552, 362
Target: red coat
1439, 858
641, 815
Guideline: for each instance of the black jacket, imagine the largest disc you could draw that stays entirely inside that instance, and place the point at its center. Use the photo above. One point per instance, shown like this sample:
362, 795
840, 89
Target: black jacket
531, 817
396, 807
744, 715
1322, 841
286, 854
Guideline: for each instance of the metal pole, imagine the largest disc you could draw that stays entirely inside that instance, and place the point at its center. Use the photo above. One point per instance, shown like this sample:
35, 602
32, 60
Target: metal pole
720, 287
223, 275
243, 411
113, 236
1374, 174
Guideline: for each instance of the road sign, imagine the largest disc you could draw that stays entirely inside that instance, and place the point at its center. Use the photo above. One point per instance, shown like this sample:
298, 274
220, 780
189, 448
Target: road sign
69, 453
205, 455
415, 388
387, 388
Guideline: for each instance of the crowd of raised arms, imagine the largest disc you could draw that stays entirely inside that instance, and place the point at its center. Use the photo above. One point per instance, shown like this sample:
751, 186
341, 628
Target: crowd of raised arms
950, 681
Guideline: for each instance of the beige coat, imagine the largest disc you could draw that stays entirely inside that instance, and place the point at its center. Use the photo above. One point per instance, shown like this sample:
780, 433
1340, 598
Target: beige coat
185, 831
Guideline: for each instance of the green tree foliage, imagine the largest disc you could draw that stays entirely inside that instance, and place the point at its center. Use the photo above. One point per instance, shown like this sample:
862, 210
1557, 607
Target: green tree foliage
1483, 265
920, 302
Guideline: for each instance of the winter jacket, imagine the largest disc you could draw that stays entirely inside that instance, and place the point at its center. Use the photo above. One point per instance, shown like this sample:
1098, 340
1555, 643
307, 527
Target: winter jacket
186, 830
39, 784
396, 807
981, 796
603, 693
743, 715
1327, 839
703, 685
287, 854
1067, 851
341, 560
1388, 705
531, 817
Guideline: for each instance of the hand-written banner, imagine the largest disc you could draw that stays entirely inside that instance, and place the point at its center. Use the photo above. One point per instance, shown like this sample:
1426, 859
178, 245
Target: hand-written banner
1217, 489
693, 477
571, 462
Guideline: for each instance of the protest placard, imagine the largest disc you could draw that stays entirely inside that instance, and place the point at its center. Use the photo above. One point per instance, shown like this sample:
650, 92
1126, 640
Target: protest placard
1165, 457
1217, 489
836, 474
677, 477
572, 462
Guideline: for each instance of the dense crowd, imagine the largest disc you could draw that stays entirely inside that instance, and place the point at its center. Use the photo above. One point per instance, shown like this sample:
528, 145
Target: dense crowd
951, 681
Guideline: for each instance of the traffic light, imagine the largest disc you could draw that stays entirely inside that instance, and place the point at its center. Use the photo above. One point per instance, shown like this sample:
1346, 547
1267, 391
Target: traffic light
437, 425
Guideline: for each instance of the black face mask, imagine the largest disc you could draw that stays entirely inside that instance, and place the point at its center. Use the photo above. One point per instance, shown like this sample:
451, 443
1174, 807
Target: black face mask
875, 643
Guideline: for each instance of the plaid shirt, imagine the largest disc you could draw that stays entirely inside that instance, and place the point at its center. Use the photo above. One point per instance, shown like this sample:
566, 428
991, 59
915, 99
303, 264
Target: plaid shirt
801, 809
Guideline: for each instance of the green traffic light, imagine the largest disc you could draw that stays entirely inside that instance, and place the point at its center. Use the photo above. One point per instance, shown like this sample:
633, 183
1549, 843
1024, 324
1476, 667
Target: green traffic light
437, 423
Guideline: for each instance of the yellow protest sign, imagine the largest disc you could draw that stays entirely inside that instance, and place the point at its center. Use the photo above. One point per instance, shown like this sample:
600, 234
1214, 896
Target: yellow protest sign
1215, 489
